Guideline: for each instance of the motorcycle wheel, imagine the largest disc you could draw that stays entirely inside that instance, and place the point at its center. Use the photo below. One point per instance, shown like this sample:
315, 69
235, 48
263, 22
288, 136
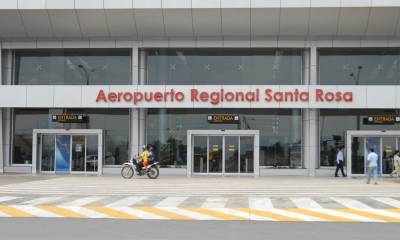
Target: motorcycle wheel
127, 172
153, 172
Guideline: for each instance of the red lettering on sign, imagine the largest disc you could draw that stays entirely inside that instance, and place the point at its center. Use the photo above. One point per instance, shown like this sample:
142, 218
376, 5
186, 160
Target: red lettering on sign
101, 96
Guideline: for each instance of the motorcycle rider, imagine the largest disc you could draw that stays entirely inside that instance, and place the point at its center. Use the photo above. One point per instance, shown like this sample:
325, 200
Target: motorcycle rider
143, 160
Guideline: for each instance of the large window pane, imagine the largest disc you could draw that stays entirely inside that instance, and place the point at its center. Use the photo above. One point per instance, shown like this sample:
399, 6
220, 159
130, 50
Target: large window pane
280, 133
334, 124
224, 66
362, 66
73, 67
114, 122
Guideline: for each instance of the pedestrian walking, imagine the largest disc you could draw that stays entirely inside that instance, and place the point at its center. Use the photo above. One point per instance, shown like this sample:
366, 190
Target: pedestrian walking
396, 164
340, 162
372, 165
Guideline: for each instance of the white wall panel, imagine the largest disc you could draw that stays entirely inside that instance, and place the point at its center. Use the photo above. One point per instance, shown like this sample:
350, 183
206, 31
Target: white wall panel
88, 4
322, 104
262, 103
76, 44
49, 44
67, 96
297, 104
60, 4
11, 96
153, 104
235, 3
117, 4
180, 88
385, 3
175, 4
265, 4
325, 3
31, 4
206, 4
140, 4
381, 97
295, 3
8, 4
356, 3
359, 97
39, 96
209, 89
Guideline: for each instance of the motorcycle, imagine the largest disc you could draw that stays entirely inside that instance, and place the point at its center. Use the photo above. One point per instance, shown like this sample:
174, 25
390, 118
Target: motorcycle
130, 168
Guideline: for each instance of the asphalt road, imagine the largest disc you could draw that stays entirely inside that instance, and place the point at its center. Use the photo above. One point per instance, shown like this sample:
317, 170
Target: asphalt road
99, 229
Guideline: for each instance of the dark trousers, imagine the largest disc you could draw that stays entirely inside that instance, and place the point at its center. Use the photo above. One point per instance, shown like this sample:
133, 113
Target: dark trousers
339, 166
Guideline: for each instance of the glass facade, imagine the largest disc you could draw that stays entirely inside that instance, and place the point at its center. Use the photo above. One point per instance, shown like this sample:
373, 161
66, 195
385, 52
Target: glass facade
114, 122
73, 67
361, 66
224, 66
280, 133
333, 124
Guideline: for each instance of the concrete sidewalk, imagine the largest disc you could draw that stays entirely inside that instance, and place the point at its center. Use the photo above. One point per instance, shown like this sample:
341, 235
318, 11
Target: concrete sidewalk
197, 186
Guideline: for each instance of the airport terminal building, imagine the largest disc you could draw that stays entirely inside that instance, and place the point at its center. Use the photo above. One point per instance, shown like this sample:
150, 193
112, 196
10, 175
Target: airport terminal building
219, 87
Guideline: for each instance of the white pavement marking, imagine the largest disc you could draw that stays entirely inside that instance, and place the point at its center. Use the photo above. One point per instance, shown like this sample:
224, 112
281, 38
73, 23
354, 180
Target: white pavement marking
296, 215
35, 211
260, 203
351, 203
215, 202
232, 212
171, 202
84, 211
306, 203
7, 198
83, 201
189, 214
126, 202
389, 201
135, 212
354, 204
43, 200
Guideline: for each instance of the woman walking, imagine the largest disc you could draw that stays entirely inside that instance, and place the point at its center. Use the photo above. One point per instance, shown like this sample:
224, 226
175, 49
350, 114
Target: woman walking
396, 163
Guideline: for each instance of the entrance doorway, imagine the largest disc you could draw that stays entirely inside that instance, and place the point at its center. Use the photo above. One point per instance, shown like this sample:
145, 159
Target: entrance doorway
217, 152
67, 151
383, 143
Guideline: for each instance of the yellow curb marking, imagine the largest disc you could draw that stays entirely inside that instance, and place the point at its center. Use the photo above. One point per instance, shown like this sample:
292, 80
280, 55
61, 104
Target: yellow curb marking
13, 212
216, 214
112, 212
164, 213
369, 214
324, 216
266, 213
61, 211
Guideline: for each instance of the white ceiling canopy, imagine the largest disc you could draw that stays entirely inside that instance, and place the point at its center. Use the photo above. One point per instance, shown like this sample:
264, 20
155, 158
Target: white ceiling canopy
141, 19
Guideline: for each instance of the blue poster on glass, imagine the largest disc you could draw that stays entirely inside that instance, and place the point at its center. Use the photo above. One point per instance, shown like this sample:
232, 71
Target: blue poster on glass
63, 154
374, 143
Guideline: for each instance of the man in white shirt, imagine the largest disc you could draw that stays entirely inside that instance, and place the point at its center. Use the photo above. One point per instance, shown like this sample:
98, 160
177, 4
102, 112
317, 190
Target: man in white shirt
339, 162
372, 165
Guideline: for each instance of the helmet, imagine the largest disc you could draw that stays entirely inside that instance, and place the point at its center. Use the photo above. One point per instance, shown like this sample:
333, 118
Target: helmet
144, 147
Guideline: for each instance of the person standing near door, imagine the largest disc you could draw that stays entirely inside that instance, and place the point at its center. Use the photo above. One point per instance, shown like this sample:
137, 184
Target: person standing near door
396, 164
340, 162
372, 165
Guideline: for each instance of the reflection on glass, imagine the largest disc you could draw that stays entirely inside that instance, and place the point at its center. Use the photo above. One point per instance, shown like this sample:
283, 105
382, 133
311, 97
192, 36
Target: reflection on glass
215, 154
73, 67
231, 154
374, 143
246, 154
224, 66
359, 66
78, 153
92, 153
388, 149
357, 155
200, 154
280, 133
48, 151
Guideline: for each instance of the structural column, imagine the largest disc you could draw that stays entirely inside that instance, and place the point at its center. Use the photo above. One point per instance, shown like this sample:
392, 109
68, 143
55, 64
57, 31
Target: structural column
1, 119
142, 111
313, 141
134, 112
